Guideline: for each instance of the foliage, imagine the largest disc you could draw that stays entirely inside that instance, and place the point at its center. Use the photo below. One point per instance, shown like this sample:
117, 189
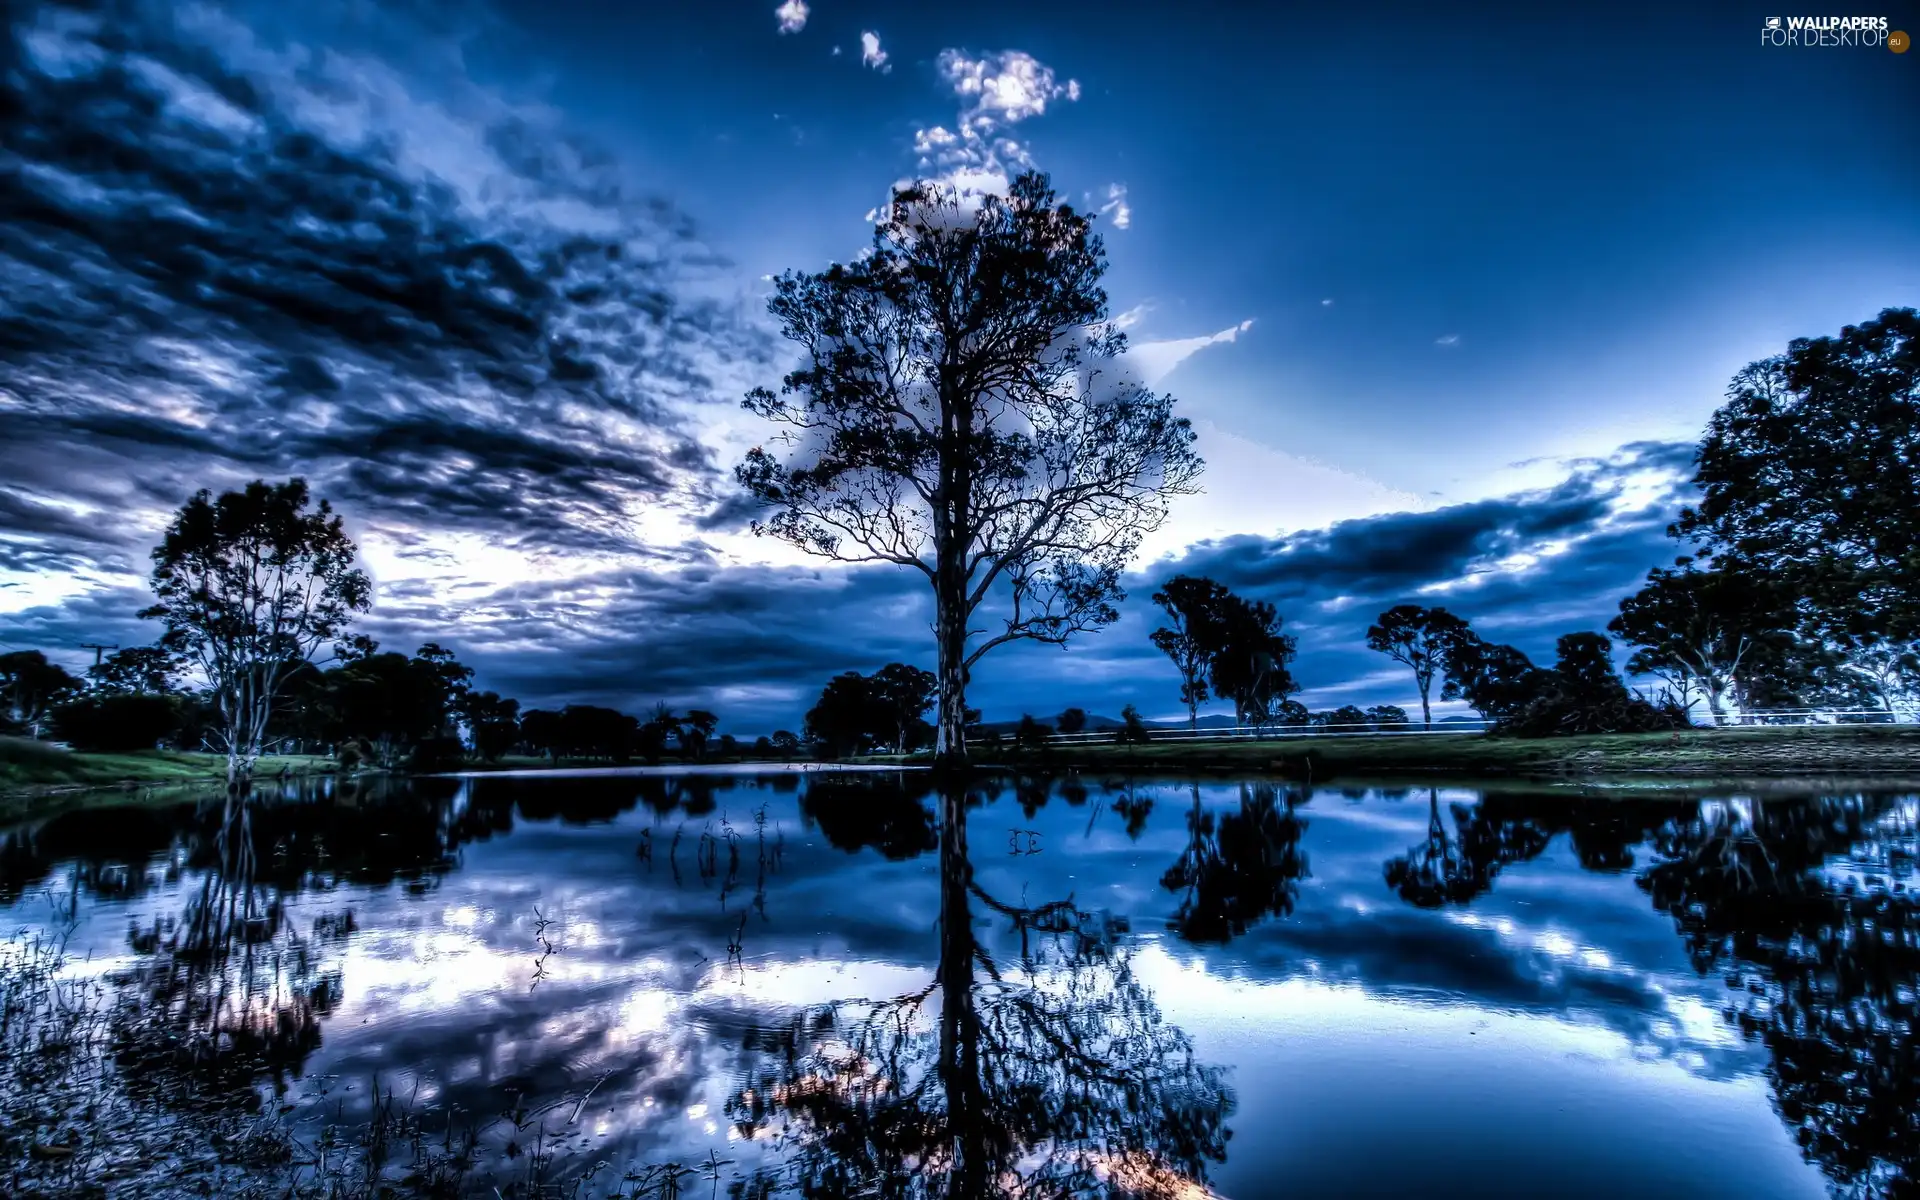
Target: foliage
136, 670
1133, 730
1031, 734
1192, 638
248, 585
1421, 638
1810, 474
858, 713
1072, 720
1495, 680
1702, 625
959, 413
1585, 694
30, 687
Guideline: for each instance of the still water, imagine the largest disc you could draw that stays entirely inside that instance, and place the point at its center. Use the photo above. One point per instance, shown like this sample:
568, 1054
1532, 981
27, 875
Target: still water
832, 984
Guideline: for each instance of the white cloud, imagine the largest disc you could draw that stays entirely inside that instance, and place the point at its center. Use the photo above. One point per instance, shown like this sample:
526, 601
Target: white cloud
975, 157
871, 54
792, 16
1451, 339
1117, 206
1156, 360
1327, 303
1009, 86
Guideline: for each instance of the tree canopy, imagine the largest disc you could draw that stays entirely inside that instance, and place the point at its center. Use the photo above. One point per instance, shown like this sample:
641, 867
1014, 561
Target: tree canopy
959, 412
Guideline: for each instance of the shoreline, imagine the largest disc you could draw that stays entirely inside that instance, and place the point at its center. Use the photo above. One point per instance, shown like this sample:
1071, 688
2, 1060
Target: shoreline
1878, 755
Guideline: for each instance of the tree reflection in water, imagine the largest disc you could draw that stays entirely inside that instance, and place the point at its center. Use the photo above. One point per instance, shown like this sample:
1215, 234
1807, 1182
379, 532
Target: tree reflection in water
1048, 1072
1239, 867
1808, 910
1806, 907
226, 994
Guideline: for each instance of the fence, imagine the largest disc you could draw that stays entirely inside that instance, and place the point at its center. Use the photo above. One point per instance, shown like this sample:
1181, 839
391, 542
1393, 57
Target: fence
1455, 726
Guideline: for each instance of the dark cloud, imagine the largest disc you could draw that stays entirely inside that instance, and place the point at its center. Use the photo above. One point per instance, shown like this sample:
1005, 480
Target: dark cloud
226, 259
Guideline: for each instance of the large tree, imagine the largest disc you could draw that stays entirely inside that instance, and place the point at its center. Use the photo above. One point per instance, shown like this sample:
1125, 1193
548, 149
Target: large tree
1420, 638
1191, 636
1251, 659
958, 411
1705, 622
249, 585
1811, 472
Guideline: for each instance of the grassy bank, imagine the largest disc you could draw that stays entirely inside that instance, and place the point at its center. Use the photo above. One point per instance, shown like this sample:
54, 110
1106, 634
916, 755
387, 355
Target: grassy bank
1846, 750
29, 767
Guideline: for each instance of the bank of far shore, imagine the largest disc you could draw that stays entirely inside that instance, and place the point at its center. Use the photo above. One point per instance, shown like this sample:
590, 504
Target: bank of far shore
33, 777
1833, 751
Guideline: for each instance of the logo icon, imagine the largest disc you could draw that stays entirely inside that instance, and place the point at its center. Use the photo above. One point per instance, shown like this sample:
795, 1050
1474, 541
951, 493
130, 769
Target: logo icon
1773, 23
1898, 41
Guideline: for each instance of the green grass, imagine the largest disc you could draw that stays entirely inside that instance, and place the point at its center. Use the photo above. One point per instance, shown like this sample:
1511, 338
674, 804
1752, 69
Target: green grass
1845, 750
30, 766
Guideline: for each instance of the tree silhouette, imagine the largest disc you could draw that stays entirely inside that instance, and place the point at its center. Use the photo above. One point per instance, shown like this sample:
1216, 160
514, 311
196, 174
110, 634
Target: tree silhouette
1496, 681
1050, 1074
1420, 638
1810, 473
30, 687
248, 586
1705, 622
960, 414
1192, 636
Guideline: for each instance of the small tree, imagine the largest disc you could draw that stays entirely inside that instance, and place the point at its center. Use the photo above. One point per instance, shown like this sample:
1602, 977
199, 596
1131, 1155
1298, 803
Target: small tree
904, 693
31, 687
248, 587
1192, 638
1073, 720
1420, 638
1031, 734
136, 671
1133, 730
1383, 716
957, 412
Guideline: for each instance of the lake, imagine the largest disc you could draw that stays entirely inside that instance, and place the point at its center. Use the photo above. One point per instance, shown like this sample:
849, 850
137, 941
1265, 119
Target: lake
826, 983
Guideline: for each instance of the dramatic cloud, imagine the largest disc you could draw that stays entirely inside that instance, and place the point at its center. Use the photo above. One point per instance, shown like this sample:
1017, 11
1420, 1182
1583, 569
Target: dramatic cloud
871, 54
227, 258
792, 16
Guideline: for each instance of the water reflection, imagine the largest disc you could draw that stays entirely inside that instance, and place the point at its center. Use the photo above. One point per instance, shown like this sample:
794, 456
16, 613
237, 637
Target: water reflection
1047, 1071
859, 984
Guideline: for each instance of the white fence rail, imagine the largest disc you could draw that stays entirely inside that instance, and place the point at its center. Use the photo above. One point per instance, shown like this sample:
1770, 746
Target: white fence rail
1773, 719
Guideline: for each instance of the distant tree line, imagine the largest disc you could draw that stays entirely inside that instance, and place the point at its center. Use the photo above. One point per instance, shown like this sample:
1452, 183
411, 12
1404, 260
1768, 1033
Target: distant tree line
251, 587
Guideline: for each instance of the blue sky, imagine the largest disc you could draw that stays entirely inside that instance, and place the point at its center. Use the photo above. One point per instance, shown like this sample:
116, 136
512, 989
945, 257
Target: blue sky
1445, 295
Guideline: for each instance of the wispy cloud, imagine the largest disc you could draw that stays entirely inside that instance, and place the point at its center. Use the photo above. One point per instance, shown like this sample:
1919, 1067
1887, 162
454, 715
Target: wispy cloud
1156, 360
1450, 339
1117, 207
871, 54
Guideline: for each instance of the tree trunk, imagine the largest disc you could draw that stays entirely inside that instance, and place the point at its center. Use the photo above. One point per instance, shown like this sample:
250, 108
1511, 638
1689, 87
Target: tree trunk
1426, 713
950, 629
960, 1031
1711, 689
